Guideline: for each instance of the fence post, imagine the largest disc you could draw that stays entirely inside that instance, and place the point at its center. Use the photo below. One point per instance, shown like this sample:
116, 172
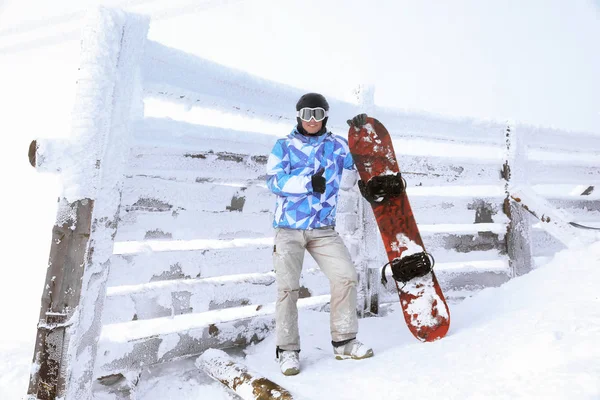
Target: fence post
518, 235
92, 172
365, 97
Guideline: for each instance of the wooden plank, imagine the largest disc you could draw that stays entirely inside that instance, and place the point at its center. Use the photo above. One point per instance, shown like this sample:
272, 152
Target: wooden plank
144, 267
148, 194
130, 346
466, 238
171, 265
431, 210
238, 167
558, 140
60, 298
177, 297
150, 235
556, 173
184, 225
142, 193
581, 209
148, 266
168, 136
204, 166
586, 156
466, 284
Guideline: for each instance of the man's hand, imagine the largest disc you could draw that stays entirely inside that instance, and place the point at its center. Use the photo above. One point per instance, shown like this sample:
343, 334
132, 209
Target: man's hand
318, 181
358, 121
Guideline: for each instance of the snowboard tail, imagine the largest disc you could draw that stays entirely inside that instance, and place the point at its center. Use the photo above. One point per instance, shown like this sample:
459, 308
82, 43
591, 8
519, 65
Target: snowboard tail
423, 304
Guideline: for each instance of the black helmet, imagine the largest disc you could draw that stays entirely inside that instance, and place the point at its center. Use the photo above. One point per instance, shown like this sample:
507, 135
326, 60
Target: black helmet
312, 100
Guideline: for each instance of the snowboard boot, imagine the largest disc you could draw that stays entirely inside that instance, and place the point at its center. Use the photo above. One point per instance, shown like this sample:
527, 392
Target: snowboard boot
289, 361
352, 349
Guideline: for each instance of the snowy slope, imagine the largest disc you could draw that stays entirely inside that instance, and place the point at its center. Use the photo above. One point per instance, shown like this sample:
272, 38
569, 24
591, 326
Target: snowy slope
536, 337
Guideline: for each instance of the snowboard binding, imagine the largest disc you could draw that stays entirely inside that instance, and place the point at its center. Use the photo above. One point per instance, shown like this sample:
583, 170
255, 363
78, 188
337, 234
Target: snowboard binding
382, 187
410, 267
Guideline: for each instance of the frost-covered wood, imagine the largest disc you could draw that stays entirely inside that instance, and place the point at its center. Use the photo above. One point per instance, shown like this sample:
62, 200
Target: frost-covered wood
558, 141
91, 167
226, 166
60, 298
132, 345
516, 172
247, 384
183, 296
553, 220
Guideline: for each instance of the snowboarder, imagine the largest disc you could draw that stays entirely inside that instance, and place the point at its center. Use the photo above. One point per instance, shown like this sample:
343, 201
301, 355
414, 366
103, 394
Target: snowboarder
304, 171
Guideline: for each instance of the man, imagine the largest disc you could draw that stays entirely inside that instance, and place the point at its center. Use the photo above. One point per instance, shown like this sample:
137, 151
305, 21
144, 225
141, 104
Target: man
304, 171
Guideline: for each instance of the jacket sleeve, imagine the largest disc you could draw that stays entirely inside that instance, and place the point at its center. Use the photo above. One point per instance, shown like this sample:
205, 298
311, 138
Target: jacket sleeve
349, 162
279, 180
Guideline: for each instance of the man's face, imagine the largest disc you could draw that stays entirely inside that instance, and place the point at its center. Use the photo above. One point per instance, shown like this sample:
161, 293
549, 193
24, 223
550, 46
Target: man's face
311, 127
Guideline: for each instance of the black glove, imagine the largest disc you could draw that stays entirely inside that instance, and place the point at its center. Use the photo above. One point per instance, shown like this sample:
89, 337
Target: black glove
358, 121
318, 182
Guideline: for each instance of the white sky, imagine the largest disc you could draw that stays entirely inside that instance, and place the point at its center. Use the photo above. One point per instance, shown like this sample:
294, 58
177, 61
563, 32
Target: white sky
534, 61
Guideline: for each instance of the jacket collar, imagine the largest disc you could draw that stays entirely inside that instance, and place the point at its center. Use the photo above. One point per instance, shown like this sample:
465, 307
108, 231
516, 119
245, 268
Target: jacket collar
308, 139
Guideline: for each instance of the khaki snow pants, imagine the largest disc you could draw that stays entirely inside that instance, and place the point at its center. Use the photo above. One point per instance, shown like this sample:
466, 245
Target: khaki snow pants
329, 251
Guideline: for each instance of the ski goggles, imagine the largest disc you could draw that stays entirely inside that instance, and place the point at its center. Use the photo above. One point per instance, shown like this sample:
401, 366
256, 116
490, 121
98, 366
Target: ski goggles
306, 114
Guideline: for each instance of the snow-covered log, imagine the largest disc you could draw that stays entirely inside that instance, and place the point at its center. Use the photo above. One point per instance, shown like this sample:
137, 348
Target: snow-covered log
46, 155
247, 384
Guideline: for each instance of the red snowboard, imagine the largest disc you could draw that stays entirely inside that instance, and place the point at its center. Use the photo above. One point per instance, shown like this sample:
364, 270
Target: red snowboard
425, 310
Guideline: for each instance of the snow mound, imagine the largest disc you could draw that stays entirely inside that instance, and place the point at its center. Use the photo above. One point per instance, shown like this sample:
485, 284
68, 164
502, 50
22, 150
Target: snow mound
534, 337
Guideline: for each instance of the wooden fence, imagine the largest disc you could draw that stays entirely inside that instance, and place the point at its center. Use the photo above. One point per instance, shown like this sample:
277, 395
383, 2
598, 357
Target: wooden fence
162, 246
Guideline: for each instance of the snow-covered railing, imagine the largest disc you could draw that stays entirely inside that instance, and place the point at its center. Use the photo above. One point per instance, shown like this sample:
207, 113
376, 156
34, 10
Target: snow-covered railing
554, 177
177, 245
91, 165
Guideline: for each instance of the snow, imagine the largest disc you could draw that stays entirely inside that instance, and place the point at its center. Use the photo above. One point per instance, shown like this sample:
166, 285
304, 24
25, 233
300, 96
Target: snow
526, 339
200, 244
236, 376
534, 337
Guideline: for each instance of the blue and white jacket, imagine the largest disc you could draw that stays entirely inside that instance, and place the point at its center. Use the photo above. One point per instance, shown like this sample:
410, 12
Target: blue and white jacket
291, 164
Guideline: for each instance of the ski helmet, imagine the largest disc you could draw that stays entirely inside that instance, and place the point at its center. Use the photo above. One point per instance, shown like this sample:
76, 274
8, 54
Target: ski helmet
312, 100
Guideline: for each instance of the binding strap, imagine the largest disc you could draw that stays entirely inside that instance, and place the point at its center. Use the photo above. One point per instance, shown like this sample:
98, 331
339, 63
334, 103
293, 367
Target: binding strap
406, 268
382, 187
